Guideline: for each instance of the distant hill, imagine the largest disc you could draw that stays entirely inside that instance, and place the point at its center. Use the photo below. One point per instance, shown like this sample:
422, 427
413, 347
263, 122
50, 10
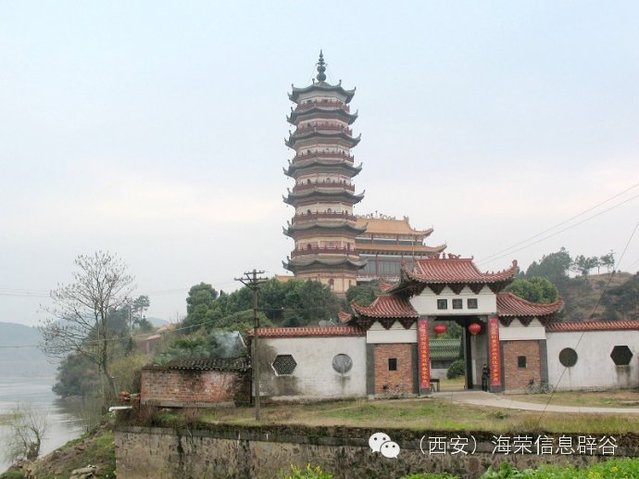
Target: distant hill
19, 353
157, 322
583, 294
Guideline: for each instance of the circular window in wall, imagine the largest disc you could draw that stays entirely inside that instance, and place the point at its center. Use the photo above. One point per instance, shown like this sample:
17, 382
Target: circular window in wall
568, 357
342, 363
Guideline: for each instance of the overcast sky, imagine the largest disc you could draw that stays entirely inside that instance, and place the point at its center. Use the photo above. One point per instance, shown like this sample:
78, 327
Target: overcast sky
155, 130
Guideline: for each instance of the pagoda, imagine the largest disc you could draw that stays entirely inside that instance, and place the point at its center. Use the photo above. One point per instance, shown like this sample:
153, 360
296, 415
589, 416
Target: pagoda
323, 227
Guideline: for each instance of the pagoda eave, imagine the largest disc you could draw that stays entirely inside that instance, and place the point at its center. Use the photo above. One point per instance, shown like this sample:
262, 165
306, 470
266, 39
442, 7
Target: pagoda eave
323, 87
296, 115
350, 140
292, 229
343, 165
298, 200
297, 265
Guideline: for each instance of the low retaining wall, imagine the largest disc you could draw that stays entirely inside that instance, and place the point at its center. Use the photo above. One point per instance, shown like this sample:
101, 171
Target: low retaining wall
267, 452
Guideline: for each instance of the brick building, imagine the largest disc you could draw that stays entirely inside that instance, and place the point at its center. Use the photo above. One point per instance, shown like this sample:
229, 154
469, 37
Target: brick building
196, 383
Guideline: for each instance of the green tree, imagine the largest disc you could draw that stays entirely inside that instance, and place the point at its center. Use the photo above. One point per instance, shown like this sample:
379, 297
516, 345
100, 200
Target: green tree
608, 260
583, 265
78, 319
537, 290
554, 266
199, 304
76, 376
363, 294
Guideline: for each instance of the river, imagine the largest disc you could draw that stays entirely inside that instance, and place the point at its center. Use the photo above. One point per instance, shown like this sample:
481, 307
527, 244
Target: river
64, 419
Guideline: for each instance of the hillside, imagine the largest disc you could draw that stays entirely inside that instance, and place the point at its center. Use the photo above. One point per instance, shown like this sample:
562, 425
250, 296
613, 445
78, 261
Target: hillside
582, 295
19, 353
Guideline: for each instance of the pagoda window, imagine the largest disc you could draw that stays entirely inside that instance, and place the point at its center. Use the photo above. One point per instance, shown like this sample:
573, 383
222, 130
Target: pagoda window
471, 303
308, 181
308, 212
458, 304
442, 304
308, 246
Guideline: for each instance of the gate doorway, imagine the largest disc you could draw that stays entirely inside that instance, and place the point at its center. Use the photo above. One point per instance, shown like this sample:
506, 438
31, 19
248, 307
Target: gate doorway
459, 351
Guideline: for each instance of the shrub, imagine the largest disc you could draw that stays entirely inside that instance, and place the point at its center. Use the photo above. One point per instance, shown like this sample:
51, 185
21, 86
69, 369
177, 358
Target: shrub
430, 475
456, 369
308, 473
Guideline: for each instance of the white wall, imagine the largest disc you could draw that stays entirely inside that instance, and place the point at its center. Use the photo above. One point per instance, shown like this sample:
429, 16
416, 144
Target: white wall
594, 368
377, 334
426, 302
518, 332
314, 376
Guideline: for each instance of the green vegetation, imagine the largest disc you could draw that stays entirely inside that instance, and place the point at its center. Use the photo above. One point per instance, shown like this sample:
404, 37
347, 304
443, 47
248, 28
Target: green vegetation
363, 294
535, 289
310, 472
611, 295
622, 301
611, 469
456, 369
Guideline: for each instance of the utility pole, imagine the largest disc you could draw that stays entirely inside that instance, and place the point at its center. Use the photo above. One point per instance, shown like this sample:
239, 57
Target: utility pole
252, 281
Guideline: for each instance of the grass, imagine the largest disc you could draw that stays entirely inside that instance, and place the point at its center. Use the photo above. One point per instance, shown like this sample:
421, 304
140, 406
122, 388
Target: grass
621, 398
424, 414
96, 449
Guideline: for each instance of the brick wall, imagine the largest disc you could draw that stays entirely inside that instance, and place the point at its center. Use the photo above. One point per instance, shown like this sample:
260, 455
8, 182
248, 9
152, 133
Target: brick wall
397, 381
514, 376
184, 387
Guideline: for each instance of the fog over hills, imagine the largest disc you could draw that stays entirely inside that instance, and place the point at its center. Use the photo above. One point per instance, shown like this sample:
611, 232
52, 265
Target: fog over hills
19, 353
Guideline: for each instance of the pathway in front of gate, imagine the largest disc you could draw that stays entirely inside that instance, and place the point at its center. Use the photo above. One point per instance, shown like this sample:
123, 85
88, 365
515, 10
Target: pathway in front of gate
481, 398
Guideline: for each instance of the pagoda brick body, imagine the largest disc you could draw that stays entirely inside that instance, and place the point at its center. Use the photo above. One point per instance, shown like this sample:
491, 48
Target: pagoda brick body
323, 227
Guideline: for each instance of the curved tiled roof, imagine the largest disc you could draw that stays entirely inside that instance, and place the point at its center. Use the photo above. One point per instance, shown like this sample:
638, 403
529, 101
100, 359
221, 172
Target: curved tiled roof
309, 331
509, 304
386, 307
322, 87
364, 245
592, 326
343, 316
205, 364
390, 226
453, 269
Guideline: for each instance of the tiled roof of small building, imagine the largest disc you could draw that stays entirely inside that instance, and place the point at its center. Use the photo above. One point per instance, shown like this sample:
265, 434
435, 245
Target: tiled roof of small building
445, 349
205, 364
592, 326
309, 331
453, 269
509, 304
387, 306
343, 316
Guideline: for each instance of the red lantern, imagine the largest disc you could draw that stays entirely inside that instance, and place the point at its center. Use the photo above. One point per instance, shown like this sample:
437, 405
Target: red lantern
474, 329
440, 328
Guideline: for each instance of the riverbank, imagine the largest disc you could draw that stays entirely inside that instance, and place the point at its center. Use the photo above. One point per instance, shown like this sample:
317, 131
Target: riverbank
65, 419
96, 448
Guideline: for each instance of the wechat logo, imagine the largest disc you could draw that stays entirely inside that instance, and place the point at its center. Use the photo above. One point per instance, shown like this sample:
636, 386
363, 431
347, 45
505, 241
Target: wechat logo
380, 442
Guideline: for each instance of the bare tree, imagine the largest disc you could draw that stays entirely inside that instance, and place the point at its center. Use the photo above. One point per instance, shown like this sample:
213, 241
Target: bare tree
27, 428
77, 320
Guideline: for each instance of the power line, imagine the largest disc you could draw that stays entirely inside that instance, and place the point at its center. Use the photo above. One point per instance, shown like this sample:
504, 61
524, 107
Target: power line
514, 248
594, 309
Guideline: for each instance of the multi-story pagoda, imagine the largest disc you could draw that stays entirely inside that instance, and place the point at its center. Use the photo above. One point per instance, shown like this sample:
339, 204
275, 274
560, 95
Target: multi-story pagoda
323, 226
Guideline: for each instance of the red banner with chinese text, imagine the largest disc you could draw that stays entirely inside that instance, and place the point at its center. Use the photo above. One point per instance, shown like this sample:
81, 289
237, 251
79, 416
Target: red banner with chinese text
493, 351
423, 354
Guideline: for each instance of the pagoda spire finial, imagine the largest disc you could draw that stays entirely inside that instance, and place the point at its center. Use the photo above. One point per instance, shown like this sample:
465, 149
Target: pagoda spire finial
321, 68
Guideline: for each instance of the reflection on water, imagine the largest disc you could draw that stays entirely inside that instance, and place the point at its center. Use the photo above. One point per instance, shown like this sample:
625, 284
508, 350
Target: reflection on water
64, 418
